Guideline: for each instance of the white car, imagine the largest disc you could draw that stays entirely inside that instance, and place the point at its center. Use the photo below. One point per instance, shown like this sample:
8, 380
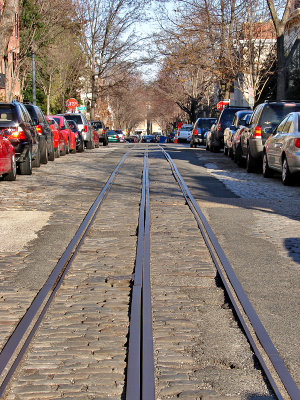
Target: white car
184, 133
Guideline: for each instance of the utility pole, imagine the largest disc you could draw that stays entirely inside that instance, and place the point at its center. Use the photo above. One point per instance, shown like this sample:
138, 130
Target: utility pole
33, 74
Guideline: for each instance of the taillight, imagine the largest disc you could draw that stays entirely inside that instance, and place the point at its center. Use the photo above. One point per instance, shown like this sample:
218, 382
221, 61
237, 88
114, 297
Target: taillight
16, 134
85, 128
219, 127
257, 132
38, 128
195, 132
297, 142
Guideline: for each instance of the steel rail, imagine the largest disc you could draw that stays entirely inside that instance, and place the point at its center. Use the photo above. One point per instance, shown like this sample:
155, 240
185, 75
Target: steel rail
259, 329
140, 368
54, 281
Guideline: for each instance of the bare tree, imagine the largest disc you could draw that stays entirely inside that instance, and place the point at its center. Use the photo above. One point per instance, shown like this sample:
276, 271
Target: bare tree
7, 21
282, 58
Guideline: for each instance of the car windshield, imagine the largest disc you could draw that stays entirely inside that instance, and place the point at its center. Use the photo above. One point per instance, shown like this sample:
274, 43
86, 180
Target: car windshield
205, 123
74, 117
110, 133
273, 113
7, 113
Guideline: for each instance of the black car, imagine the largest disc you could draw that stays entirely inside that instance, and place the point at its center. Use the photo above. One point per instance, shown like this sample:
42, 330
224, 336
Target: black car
100, 128
201, 126
216, 134
42, 127
78, 135
17, 126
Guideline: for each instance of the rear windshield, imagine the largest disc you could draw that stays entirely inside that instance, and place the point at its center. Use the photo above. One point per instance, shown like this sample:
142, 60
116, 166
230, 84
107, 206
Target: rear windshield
73, 117
186, 128
227, 115
7, 113
205, 123
273, 113
97, 125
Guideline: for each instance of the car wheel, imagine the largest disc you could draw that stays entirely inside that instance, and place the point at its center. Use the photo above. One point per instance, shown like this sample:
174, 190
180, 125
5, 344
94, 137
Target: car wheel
207, 147
105, 142
51, 155
36, 163
63, 152
81, 147
57, 152
68, 147
266, 170
73, 151
26, 165
89, 145
230, 153
225, 151
44, 150
11, 176
286, 176
249, 162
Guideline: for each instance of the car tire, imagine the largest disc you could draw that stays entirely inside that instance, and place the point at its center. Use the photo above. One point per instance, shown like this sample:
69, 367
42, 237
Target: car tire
57, 152
89, 145
51, 155
286, 176
44, 151
105, 142
266, 170
68, 147
250, 162
230, 153
73, 151
11, 176
81, 147
36, 163
26, 166
63, 152
225, 151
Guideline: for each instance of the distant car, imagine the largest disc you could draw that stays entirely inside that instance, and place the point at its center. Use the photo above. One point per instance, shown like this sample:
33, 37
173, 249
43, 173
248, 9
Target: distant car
121, 135
148, 139
216, 134
17, 126
100, 128
282, 149
43, 128
84, 126
113, 136
69, 136
96, 138
236, 140
264, 120
184, 133
201, 126
58, 137
8, 164
78, 136
229, 131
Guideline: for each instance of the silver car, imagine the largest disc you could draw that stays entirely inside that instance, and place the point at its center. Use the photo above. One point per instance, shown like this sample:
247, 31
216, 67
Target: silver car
282, 150
84, 126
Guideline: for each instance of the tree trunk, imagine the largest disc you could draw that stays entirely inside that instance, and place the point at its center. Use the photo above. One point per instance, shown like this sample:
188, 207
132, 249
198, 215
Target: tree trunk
281, 68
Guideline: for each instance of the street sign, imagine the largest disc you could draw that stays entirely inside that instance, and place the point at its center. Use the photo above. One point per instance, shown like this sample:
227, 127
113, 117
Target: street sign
222, 104
81, 108
72, 104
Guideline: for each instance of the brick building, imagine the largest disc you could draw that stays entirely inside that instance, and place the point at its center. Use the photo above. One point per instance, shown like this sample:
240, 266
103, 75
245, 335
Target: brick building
9, 81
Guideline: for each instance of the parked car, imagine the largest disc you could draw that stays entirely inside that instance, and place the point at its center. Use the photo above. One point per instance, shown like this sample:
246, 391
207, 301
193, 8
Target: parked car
215, 137
184, 133
96, 138
264, 120
113, 136
69, 136
281, 151
201, 126
148, 139
58, 137
121, 135
171, 136
43, 128
16, 125
84, 126
78, 136
100, 128
236, 140
229, 131
8, 165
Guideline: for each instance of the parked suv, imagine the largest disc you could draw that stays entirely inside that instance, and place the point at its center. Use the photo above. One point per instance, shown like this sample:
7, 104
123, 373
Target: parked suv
264, 120
201, 126
100, 129
42, 127
216, 135
84, 126
230, 130
17, 126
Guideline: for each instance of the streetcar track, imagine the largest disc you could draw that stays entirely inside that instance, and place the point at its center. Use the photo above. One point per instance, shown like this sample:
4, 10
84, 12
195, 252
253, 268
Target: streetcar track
140, 369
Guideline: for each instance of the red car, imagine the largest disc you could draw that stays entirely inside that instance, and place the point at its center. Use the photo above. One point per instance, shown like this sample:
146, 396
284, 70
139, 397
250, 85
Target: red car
96, 138
69, 136
8, 166
58, 138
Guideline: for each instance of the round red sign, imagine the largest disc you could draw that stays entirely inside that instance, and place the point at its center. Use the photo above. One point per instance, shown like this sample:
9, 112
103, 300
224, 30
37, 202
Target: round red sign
72, 104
